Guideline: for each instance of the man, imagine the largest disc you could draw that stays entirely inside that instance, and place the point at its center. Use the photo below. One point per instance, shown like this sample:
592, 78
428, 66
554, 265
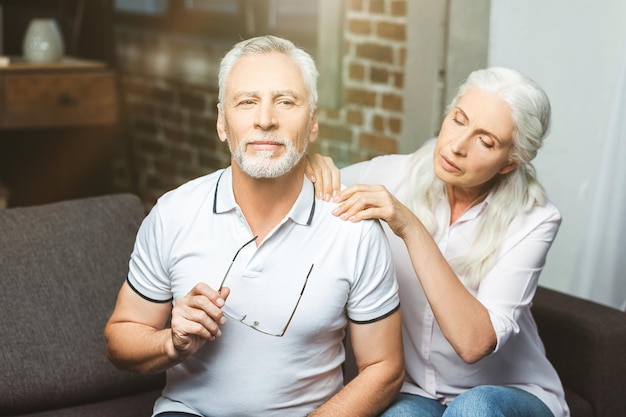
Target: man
263, 278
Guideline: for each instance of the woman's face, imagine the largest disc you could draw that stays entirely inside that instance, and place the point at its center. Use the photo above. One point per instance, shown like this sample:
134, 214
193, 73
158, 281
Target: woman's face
475, 141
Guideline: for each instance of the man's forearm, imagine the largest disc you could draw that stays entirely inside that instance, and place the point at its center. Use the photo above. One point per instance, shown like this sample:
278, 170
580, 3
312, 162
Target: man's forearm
135, 348
368, 394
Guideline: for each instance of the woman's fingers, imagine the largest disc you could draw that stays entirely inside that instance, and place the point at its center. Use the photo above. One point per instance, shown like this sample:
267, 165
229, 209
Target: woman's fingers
360, 202
322, 171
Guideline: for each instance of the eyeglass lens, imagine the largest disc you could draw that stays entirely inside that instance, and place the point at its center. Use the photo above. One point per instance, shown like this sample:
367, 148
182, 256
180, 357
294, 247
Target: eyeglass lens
271, 328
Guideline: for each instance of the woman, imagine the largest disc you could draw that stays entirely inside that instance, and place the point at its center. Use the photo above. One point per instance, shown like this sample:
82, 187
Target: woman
470, 227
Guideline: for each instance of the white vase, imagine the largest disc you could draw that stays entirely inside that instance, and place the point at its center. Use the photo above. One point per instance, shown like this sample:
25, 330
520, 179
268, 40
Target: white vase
43, 41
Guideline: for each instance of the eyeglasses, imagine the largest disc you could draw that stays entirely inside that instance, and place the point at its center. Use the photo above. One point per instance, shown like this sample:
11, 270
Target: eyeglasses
256, 324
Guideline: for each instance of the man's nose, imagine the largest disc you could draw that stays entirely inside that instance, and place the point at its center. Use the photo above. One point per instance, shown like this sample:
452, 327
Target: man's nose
266, 117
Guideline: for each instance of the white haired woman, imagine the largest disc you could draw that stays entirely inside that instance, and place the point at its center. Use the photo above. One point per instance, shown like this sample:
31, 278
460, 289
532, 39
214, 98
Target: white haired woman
470, 227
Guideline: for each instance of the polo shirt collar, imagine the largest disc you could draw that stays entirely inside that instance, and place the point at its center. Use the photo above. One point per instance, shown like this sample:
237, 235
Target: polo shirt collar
301, 213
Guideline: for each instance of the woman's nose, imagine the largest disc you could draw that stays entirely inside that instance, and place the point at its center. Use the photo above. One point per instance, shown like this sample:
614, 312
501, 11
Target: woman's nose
458, 145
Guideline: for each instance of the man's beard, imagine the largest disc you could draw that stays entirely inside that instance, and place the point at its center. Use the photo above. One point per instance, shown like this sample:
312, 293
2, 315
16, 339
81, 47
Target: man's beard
264, 164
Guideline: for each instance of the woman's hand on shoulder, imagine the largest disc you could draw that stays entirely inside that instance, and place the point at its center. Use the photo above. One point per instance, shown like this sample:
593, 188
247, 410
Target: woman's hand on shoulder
323, 173
361, 202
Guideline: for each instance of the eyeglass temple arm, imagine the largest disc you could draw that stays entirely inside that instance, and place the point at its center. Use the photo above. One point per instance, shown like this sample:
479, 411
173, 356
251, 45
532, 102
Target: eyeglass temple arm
297, 302
233, 261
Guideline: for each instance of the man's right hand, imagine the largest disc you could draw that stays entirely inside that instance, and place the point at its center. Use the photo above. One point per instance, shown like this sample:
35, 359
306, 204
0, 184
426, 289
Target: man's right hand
137, 335
197, 317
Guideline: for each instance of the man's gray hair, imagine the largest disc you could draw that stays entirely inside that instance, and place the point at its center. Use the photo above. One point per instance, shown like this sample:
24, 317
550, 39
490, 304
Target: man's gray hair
266, 45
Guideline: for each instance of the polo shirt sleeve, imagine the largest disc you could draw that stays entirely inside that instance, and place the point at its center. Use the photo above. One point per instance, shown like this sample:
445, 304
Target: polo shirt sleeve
374, 293
147, 269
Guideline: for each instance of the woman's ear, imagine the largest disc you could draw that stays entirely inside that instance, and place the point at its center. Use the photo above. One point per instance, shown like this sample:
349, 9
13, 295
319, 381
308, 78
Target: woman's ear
510, 166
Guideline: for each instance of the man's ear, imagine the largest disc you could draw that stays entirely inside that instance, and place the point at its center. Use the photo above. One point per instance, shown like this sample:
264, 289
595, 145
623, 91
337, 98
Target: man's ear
221, 124
508, 168
315, 127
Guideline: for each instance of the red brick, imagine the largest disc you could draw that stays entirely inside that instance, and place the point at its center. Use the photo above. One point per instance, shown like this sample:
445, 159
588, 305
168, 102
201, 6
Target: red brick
398, 79
359, 27
181, 155
398, 8
333, 114
203, 123
356, 5
335, 132
378, 123
393, 102
174, 134
389, 30
163, 95
375, 52
356, 72
314, 147
379, 143
193, 101
173, 115
377, 6
361, 97
402, 57
354, 117
379, 75
395, 125
147, 127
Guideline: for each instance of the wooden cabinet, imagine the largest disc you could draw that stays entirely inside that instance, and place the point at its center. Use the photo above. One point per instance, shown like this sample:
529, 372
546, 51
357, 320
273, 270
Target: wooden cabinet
67, 96
58, 125
71, 93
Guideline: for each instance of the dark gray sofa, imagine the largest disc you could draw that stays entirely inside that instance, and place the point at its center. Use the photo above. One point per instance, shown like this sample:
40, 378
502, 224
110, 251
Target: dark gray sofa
61, 266
586, 343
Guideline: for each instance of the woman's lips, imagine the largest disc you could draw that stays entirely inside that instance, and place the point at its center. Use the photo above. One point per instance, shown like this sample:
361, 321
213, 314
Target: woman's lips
448, 165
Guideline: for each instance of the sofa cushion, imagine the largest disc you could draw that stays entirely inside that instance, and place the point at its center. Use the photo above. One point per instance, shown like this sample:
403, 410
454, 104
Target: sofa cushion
140, 405
578, 406
62, 266
585, 342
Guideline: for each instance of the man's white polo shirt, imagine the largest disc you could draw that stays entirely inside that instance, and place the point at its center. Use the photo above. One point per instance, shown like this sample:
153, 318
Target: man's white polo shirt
192, 235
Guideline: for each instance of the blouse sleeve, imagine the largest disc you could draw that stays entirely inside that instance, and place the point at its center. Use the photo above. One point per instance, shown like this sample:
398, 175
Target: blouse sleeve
354, 174
387, 170
507, 291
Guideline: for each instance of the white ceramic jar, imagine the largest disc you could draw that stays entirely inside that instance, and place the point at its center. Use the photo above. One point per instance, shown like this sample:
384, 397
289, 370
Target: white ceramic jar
43, 41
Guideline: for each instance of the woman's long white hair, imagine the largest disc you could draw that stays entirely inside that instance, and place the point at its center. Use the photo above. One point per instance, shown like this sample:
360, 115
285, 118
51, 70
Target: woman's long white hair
512, 193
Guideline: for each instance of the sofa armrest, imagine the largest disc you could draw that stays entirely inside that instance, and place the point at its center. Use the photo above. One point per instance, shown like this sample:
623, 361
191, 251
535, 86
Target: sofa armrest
586, 343
61, 267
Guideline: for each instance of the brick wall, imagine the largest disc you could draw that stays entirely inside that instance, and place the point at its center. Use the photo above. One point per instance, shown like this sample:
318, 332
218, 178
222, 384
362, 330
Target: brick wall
169, 87
369, 120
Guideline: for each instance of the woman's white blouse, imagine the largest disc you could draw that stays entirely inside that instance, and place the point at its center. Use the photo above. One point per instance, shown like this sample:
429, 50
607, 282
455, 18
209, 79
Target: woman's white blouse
433, 368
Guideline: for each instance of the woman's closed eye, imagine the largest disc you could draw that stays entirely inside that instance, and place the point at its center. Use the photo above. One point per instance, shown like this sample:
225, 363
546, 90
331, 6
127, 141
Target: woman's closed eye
486, 142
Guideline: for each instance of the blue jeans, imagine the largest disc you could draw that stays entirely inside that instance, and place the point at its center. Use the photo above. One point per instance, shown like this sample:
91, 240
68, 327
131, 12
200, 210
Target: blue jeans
482, 401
